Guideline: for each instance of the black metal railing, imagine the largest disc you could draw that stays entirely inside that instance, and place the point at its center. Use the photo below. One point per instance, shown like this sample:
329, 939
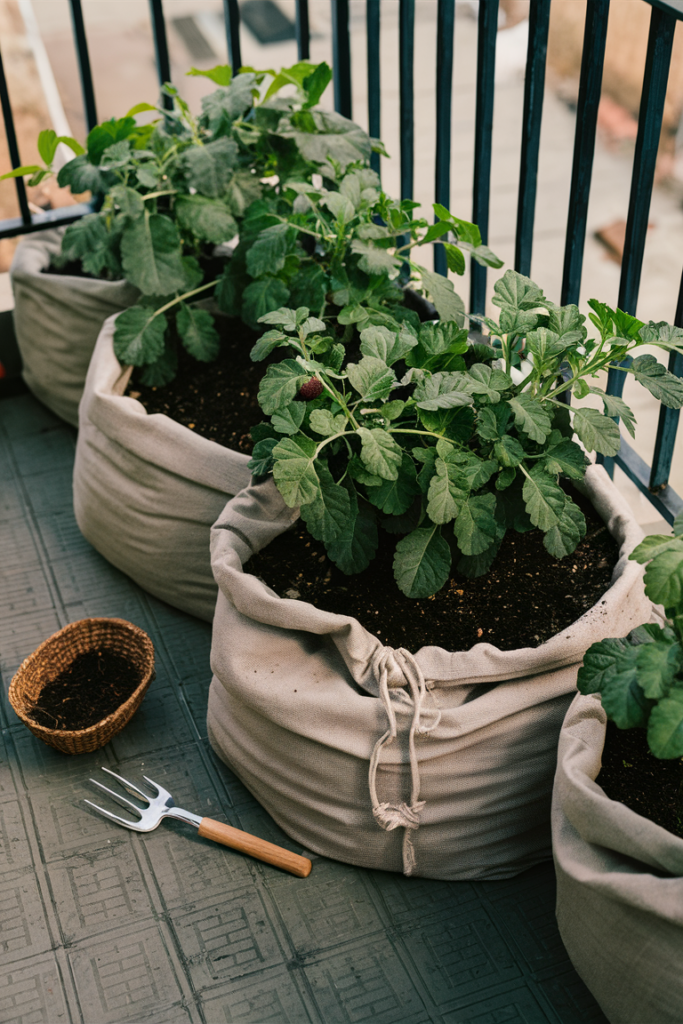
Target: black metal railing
652, 481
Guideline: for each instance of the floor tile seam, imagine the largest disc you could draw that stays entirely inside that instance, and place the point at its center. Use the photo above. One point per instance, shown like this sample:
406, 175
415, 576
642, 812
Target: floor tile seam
41, 550
476, 997
67, 987
299, 979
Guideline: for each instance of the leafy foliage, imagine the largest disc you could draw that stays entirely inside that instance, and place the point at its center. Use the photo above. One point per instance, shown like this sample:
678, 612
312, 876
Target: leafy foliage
640, 679
443, 442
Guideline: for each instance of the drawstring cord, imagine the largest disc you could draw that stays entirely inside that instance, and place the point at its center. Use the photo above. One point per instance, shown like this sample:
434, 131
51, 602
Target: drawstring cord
390, 816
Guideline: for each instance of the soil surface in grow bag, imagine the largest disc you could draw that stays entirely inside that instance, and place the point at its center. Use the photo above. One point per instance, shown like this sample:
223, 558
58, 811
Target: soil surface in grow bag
645, 783
216, 400
526, 597
93, 686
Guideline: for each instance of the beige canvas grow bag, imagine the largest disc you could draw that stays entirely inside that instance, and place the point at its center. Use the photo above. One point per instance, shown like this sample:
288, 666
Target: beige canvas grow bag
439, 764
57, 319
619, 884
147, 490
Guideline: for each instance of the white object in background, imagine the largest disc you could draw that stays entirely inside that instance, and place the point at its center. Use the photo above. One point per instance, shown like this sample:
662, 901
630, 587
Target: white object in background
511, 52
47, 80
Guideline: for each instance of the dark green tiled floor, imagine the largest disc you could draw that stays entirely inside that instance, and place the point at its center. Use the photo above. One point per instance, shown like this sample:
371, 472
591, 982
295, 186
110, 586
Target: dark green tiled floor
98, 924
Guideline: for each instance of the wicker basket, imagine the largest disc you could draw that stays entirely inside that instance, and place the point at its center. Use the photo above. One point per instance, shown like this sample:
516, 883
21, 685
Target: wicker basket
57, 653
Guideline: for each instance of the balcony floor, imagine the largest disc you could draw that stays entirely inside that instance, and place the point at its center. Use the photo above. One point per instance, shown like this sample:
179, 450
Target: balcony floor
99, 924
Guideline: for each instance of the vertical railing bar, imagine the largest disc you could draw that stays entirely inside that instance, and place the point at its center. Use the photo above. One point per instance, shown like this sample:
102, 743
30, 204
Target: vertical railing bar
483, 133
406, 57
445, 30
303, 31
534, 89
660, 43
668, 418
161, 48
84, 68
594, 39
341, 57
372, 18
231, 13
12, 146
657, 63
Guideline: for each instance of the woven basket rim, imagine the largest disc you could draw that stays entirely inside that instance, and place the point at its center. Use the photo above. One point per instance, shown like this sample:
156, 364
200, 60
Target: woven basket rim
71, 627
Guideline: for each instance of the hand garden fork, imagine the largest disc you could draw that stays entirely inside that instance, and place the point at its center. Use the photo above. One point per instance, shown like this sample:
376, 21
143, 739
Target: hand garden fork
162, 806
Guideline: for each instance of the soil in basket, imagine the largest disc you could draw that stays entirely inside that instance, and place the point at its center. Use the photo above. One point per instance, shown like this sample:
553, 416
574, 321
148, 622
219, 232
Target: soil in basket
648, 785
526, 598
94, 685
216, 400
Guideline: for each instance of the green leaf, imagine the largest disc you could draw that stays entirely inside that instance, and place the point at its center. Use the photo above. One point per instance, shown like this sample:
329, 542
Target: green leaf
289, 419
325, 423
422, 562
355, 548
394, 497
128, 201
267, 254
454, 258
597, 432
266, 344
225, 105
566, 458
513, 289
658, 665
198, 333
654, 545
610, 668
666, 387
392, 410
47, 145
314, 85
505, 478
327, 516
162, 371
483, 379
380, 453
80, 175
475, 526
627, 326
323, 135
442, 391
543, 499
280, 385
243, 189
373, 259
310, 285
20, 172
371, 378
448, 303
261, 297
563, 539
665, 728
599, 664
261, 462
478, 471
357, 471
508, 451
615, 406
664, 579
531, 417
448, 489
221, 74
139, 336
209, 220
89, 241
492, 421
517, 321
389, 346
151, 255
678, 525
294, 470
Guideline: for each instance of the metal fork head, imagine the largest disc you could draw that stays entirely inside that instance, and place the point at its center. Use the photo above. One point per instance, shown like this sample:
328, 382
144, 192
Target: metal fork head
149, 816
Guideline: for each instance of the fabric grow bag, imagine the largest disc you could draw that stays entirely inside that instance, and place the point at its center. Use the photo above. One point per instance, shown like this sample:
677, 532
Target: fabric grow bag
439, 764
57, 318
147, 489
619, 884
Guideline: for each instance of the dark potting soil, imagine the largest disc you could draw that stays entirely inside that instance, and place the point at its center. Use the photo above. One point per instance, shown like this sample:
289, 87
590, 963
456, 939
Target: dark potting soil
635, 777
94, 685
216, 400
526, 597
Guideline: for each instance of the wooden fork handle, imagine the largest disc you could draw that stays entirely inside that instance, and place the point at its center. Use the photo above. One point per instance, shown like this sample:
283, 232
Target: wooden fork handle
255, 847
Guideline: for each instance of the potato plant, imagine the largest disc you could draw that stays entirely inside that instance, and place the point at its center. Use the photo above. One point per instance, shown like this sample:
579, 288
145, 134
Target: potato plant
436, 438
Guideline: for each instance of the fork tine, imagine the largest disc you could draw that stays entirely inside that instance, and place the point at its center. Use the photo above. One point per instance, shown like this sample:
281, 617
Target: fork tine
114, 817
129, 785
117, 796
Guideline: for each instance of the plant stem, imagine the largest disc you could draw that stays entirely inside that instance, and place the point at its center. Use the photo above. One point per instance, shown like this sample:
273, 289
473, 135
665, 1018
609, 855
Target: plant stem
181, 298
